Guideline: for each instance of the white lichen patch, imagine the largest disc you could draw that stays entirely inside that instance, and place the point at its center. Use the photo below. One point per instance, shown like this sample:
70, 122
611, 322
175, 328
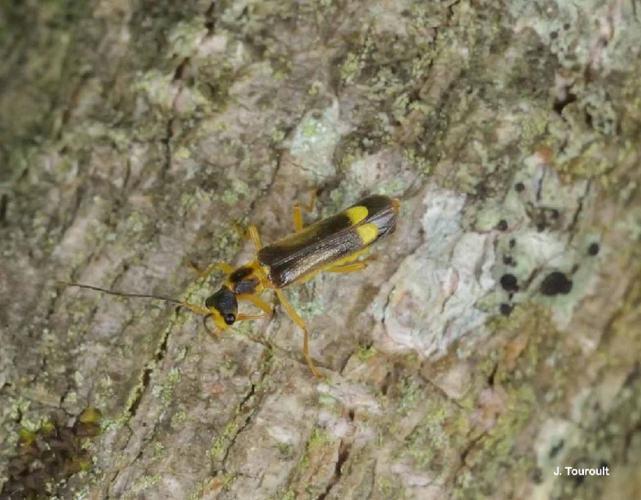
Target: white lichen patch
556, 437
386, 17
420, 484
282, 434
350, 395
336, 425
545, 238
598, 39
384, 172
239, 188
314, 141
189, 99
186, 37
158, 88
431, 301
73, 244
213, 46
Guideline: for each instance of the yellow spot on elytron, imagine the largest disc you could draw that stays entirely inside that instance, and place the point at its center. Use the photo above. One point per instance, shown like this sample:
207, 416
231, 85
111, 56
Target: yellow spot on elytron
367, 233
356, 214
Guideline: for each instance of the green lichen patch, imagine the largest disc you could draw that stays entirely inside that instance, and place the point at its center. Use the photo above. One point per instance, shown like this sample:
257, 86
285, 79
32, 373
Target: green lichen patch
222, 441
316, 465
314, 141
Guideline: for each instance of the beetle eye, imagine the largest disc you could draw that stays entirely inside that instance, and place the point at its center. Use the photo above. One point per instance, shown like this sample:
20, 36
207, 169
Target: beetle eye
230, 318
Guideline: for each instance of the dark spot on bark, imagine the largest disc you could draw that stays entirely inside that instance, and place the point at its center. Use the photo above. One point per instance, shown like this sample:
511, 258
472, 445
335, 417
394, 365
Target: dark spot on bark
4, 203
506, 309
537, 475
385, 385
554, 213
556, 283
512, 243
492, 375
210, 20
181, 69
554, 451
509, 283
519, 186
559, 104
593, 249
540, 226
508, 261
502, 225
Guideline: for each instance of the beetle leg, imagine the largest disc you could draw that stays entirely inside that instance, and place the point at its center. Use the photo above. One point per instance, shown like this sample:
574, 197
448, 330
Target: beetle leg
298, 211
293, 315
350, 265
205, 273
254, 236
250, 317
348, 268
258, 302
298, 218
215, 332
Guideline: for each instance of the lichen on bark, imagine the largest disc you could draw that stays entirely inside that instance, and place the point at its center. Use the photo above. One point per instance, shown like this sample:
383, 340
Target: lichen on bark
494, 337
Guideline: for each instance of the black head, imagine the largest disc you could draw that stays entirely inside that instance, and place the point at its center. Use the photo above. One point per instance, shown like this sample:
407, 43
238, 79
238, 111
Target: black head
223, 306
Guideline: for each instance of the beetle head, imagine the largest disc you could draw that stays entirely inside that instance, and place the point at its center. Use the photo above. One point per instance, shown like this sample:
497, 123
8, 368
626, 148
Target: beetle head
223, 307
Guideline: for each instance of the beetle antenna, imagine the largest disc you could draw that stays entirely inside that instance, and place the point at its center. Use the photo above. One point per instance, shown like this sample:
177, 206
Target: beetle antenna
121, 294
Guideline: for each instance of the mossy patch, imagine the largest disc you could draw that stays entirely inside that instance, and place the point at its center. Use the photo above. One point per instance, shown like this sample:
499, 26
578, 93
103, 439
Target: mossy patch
49, 453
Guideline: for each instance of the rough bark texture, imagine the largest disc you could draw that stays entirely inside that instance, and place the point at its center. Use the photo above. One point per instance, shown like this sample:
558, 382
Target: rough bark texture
496, 335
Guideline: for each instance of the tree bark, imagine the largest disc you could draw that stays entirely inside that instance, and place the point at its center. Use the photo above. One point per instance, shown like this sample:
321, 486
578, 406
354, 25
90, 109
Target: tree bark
496, 335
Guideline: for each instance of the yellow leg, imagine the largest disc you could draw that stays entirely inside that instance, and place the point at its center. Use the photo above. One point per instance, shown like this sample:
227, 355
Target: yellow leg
254, 236
348, 268
298, 218
349, 264
206, 313
251, 317
222, 266
257, 301
218, 332
298, 212
293, 315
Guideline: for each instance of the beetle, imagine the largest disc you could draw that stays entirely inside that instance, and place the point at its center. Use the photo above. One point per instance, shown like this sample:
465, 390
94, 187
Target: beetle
334, 244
